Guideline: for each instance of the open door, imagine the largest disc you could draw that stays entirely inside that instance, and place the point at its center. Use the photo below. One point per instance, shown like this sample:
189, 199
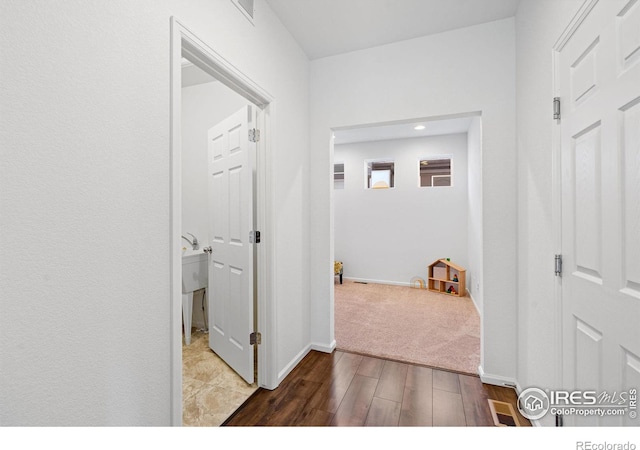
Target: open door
599, 75
231, 260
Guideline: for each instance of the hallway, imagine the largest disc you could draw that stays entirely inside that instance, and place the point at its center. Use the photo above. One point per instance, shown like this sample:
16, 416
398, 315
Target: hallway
346, 389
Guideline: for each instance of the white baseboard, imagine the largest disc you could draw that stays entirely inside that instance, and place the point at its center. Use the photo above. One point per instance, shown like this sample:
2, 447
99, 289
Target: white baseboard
293, 363
496, 380
323, 347
474, 302
367, 280
300, 356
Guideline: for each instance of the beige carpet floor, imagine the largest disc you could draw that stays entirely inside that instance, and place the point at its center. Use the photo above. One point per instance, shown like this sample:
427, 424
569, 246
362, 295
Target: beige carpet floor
410, 325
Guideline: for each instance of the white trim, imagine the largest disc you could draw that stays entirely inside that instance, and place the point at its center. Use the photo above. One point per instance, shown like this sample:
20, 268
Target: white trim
207, 59
369, 281
183, 41
323, 347
577, 20
496, 380
396, 283
300, 356
245, 13
556, 161
331, 278
175, 258
293, 363
475, 304
267, 318
406, 121
556, 221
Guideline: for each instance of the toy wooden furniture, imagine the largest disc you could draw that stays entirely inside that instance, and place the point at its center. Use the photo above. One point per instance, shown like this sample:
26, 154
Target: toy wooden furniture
447, 278
337, 269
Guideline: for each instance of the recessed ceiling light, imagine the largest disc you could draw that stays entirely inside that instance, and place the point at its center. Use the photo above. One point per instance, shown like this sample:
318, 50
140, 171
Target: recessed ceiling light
419, 127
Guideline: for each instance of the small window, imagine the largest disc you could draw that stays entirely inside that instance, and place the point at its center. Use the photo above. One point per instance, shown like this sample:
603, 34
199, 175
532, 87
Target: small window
380, 174
338, 176
435, 172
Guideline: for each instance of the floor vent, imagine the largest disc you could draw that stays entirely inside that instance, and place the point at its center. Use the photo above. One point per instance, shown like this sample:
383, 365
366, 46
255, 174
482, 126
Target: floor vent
503, 414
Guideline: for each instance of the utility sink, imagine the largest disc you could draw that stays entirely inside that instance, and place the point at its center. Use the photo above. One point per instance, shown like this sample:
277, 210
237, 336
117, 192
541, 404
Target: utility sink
195, 275
194, 270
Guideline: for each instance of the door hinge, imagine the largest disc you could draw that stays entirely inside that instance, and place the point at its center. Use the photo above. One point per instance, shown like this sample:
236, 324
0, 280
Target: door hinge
556, 108
255, 338
254, 135
254, 237
558, 265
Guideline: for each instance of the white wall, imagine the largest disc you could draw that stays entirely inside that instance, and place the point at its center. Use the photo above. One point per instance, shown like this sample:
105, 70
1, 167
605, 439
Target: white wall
466, 70
539, 24
474, 214
85, 200
392, 235
203, 106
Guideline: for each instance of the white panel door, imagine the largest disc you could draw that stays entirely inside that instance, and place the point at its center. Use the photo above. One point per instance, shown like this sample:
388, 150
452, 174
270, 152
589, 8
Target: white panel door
599, 76
231, 296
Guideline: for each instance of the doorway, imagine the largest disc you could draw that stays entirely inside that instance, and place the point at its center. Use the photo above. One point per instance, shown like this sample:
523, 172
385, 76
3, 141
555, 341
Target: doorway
218, 367
386, 238
188, 46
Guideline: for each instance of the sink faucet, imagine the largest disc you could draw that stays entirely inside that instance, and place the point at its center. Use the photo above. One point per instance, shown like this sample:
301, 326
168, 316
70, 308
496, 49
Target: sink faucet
193, 243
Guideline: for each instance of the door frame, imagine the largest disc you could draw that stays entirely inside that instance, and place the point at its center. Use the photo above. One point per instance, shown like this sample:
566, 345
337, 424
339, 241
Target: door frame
556, 142
332, 130
184, 41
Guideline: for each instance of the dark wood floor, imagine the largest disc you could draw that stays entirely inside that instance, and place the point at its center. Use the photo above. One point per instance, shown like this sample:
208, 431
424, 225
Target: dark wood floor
346, 389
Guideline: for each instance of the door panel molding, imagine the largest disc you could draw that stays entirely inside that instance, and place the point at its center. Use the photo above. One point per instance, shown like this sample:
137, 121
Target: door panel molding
556, 187
596, 213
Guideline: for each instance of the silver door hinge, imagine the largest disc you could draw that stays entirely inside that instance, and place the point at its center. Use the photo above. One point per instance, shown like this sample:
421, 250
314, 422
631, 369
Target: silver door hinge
254, 237
255, 338
558, 265
254, 135
556, 108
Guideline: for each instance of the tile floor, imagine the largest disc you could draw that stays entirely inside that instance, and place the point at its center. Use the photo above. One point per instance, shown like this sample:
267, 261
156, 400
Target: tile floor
211, 390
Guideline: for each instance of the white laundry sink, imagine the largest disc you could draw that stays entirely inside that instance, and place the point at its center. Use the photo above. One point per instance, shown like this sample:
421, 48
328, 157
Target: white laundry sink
194, 270
195, 274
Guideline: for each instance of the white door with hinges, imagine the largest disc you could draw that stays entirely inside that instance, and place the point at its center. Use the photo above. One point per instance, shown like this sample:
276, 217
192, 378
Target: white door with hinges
231, 160
599, 86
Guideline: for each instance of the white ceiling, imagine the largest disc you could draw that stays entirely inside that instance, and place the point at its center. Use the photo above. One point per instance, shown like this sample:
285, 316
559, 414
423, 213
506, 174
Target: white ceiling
330, 27
402, 130
192, 74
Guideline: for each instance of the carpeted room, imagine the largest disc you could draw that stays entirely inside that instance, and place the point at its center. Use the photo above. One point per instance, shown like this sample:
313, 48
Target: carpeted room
386, 238
406, 324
